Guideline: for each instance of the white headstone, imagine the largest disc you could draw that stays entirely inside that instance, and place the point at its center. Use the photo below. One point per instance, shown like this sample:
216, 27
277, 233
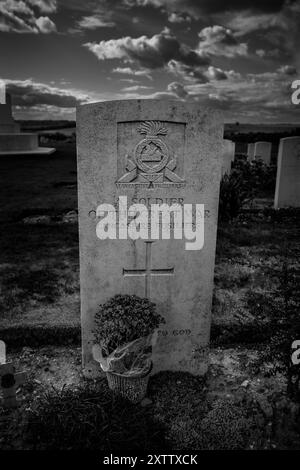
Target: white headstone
2, 352
152, 152
227, 156
262, 150
2, 92
287, 192
250, 152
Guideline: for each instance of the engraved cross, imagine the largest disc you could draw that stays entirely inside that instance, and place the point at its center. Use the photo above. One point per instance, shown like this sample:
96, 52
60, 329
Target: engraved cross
148, 271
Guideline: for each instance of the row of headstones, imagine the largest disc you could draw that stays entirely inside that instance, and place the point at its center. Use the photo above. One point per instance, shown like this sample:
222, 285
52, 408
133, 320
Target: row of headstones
261, 150
287, 192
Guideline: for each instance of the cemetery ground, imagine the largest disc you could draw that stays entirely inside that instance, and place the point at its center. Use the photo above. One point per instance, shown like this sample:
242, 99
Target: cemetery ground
242, 403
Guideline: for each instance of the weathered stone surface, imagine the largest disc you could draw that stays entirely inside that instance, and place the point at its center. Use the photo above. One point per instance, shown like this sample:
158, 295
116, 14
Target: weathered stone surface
287, 192
262, 150
18, 141
112, 162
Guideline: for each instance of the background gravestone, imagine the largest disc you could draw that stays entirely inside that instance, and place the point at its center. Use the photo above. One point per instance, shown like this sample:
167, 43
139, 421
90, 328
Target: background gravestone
287, 192
12, 141
7, 123
262, 150
250, 152
111, 140
227, 156
2, 352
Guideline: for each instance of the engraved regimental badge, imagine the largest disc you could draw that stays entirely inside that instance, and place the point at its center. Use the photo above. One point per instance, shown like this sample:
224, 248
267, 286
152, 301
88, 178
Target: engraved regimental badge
152, 162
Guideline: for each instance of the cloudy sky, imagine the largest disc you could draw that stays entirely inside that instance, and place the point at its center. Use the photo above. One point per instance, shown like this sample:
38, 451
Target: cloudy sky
240, 56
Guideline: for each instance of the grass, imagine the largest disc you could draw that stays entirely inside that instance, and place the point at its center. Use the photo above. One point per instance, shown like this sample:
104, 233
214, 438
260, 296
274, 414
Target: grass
39, 264
252, 253
256, 272
27, 183
90, 417
185, 413
39, 269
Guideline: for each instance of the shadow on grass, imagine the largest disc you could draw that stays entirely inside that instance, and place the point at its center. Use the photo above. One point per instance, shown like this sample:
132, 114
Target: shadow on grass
90, 417
21, 287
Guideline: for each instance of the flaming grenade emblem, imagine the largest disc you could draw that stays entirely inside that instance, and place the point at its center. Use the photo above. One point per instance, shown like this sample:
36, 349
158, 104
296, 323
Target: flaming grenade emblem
151, 160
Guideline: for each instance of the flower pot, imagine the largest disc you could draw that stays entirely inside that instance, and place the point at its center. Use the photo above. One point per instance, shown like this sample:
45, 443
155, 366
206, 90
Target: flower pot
132, 388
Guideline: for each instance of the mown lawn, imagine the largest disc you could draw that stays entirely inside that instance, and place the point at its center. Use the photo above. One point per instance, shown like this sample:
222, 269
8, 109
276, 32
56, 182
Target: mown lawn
242, 403
39, 264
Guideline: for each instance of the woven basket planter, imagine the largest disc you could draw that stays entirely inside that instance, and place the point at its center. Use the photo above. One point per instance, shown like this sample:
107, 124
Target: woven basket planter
132, 388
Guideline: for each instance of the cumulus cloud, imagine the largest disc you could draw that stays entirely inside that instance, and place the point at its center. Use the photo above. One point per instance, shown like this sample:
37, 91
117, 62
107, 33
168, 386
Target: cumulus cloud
288, 69
197, 8
215, 73
152, 53
177, 89
27, 93
24, 16
177, 17
219, 41
200, 74
45, 6
266, 95
45, 25
95, 22
261, 53
239, 97
247, 22
136, 88
279, 30
174, 90
130, 71
164, 51
188, 72
128, 80
161, 51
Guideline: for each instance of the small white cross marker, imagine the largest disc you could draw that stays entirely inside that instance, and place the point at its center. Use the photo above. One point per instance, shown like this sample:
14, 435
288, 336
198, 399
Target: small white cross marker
9, 380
